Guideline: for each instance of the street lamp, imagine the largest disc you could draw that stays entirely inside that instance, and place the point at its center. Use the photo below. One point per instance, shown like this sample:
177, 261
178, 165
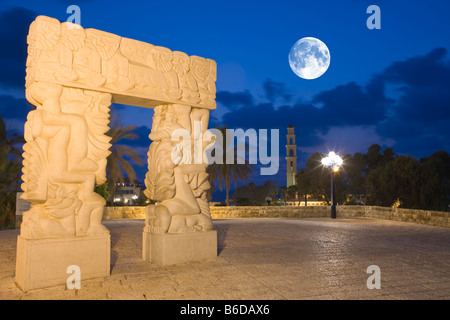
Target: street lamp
334, 162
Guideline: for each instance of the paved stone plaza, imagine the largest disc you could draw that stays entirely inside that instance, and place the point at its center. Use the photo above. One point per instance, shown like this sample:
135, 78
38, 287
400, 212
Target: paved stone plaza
268, 259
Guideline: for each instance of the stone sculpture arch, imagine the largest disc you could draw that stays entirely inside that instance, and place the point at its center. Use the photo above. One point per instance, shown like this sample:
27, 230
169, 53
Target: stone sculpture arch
73, 75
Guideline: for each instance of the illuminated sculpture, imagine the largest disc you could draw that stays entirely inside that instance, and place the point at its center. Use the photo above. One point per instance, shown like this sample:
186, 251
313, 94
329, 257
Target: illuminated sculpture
73, 75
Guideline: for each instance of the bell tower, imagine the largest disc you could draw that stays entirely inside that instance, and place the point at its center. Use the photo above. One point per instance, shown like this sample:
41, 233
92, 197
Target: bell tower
291, 157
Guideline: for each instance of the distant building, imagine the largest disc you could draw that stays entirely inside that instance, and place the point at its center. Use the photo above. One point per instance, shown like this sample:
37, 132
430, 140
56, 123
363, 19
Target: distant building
291, 157
127, 192
291, 170
311, 201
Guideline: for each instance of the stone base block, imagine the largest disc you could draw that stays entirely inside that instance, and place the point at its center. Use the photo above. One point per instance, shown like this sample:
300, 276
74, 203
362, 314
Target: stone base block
174, 248
42, 263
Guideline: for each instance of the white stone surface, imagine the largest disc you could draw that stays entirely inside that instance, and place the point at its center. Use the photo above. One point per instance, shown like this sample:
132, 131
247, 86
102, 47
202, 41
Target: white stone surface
42, 263
175, 248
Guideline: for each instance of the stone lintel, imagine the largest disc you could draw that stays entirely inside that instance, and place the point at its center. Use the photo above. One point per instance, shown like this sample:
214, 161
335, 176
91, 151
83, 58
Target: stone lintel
134, 72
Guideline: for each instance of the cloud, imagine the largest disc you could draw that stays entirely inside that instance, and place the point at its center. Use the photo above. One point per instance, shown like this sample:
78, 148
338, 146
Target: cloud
422, 86
346, 105
234, 100
274, 90
420, 70
351, 104
420, 116
350, 139
406, 106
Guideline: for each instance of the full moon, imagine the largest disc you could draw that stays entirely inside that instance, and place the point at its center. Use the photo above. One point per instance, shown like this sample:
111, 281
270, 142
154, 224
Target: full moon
309, 58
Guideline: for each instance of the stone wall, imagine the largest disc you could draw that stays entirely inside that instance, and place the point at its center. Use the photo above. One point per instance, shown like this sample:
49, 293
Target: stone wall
434, 218
220, 212
113, 213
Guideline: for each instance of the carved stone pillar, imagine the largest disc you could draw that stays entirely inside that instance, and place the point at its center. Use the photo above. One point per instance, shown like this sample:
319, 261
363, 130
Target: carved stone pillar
64, 158
177, 179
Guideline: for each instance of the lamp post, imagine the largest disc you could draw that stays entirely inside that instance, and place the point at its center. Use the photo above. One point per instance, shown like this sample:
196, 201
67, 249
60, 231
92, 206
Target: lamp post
333, 161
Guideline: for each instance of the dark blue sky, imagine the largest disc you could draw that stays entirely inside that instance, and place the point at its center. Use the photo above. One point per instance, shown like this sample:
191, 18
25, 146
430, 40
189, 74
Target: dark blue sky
387, 86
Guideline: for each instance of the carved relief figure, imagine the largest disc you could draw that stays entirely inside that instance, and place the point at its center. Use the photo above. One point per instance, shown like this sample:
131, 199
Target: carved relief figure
87, 62
59, 174
186, 81
200, 69
67, 53
162, 74
114, 65
200, 182
148, 74
176, 187
53, 54
211, 83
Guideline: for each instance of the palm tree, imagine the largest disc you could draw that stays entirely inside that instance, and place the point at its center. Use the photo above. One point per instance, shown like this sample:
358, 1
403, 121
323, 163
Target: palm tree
292, 192
224, 174
117, 166
10, 167
283, 192
10, 159
303, 179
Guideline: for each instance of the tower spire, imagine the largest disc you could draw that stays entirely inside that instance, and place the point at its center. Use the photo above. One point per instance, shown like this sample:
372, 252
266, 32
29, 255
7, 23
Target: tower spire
291, 156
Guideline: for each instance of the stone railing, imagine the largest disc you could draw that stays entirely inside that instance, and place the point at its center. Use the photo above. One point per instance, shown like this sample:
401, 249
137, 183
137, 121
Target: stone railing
434, 218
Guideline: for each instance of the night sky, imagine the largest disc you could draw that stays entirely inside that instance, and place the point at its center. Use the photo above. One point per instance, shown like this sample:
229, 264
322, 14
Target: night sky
389, 86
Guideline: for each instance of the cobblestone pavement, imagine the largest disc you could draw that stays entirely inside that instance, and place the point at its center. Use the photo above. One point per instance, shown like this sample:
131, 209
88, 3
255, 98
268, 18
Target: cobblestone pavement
268, 259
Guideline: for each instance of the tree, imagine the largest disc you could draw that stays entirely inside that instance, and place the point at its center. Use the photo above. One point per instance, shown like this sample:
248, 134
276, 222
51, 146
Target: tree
374, 157
435, 181
292, 192
304, 183
103, 190
355, 173
383, 178
117, 164
319, 176
283, 193
226, 173
10, 168
399, 181
255, 195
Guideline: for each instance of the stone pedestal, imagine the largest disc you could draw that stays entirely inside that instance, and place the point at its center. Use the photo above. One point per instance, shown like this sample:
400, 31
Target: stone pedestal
42, 263
174, 248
